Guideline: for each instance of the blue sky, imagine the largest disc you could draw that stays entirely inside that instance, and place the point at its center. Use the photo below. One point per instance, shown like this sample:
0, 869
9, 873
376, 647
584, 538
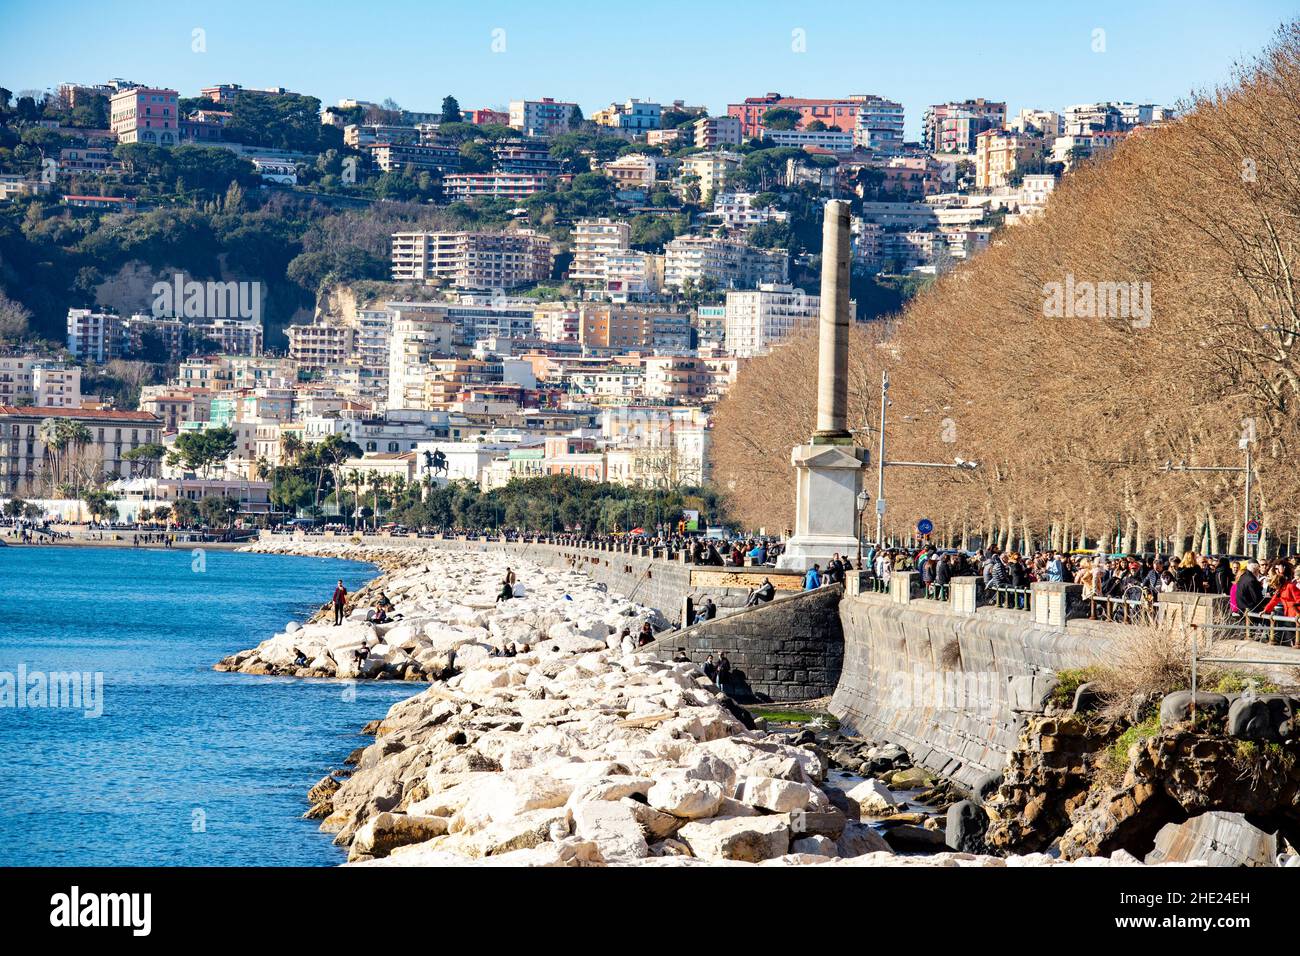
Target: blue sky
1029, 54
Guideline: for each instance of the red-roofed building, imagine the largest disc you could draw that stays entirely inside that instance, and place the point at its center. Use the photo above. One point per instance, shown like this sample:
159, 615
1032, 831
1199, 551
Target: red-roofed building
841, 113
28, 467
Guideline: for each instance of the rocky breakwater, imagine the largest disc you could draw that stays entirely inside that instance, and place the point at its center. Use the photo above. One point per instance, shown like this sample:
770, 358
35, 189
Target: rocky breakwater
446, 616
573, 750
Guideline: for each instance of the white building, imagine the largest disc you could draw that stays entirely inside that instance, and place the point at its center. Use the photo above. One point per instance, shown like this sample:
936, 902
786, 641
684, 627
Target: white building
593, 241
471, 260
721, 264
544, 117
758, 319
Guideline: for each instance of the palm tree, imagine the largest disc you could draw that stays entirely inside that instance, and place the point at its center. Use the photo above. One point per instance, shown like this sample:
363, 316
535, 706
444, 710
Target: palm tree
78, 436
291, 447
52, 436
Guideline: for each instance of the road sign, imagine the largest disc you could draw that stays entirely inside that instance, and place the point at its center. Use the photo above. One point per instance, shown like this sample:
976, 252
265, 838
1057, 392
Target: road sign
1252, 526
880, 506
1251, 539
925, 526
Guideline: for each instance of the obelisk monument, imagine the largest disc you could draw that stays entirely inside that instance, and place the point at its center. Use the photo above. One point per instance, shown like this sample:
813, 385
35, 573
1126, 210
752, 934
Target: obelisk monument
828, 470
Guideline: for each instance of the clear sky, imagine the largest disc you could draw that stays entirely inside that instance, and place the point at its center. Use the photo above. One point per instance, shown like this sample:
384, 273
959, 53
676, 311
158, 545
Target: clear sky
1041, 54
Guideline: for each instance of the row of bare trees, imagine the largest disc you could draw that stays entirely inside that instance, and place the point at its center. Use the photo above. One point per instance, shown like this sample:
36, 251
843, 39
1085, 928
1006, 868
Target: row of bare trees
1039, 359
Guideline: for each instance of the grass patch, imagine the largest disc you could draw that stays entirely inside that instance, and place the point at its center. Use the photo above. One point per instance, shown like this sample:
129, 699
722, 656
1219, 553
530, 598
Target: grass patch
1113, 761
1234, 682
780, 715
1068, 682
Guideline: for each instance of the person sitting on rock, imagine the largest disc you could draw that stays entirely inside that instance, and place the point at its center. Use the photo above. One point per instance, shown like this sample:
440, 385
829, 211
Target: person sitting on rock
680, 657
646, 636
507, 587
379, 615
299, 658
710, 669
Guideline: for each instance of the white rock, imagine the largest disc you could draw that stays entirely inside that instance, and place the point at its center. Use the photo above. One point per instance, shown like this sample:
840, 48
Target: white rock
872, 797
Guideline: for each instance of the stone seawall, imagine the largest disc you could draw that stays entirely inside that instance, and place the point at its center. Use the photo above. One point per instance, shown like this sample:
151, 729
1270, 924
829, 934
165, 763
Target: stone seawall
790, 649
953, 689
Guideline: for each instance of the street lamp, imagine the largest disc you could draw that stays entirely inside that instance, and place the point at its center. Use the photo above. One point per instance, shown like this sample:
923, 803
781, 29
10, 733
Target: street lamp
881, 464
1247, 469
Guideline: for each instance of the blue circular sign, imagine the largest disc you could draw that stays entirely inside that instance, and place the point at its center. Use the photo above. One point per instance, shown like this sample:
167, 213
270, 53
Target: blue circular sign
925, 526
1252, 526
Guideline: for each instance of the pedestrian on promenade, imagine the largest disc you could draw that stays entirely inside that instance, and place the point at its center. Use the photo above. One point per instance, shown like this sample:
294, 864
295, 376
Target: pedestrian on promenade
340, 599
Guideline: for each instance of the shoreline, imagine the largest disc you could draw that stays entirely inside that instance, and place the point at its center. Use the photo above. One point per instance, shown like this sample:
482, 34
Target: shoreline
577, 751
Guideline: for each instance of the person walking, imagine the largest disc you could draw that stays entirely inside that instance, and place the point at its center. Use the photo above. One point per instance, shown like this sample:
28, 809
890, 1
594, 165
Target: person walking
340, 600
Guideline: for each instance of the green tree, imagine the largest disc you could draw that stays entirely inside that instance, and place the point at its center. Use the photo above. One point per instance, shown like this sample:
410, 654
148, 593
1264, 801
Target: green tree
450, 110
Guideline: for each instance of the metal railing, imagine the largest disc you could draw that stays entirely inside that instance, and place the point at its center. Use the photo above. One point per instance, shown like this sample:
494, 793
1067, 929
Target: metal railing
937, 592
1015, 599
1267, 628
1130, 609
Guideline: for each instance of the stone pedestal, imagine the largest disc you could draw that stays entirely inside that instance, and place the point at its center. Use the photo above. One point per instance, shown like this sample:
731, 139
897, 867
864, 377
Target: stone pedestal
1051, 602
900, 586
963, 592
827, 481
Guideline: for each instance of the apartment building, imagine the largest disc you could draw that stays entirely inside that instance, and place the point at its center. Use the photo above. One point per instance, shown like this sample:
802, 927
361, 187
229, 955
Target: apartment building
523, 156
30, 380
94, 336
25, 462
144, 114
471, 260
756, 320
952, 127
710, 132
677, 378
634, 171
634, 116
394, 157
841, 114
708, 262
834, 140
496, 185
1000, 152
879, 125
315, 346
544, 117
736, 212
593, 241
420, 332
706, 171
630, 275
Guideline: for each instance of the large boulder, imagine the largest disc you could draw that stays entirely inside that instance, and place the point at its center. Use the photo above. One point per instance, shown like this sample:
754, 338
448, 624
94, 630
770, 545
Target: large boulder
686, 798
1266, 718
779, 796
384, 832
858, 839
611, 826
1176, 708
965, 827
747, 839
872, 798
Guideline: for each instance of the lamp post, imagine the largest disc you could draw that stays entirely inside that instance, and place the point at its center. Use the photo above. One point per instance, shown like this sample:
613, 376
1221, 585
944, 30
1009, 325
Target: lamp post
1247, 469
881, 464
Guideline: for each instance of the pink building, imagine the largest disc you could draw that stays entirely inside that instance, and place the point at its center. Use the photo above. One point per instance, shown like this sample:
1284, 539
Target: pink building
145, 115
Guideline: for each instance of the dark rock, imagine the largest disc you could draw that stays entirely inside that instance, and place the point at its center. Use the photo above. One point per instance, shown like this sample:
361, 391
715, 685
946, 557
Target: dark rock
1176, 708
985, 787
966, 824
354, 758
1267, 717
910, 837
1086, 698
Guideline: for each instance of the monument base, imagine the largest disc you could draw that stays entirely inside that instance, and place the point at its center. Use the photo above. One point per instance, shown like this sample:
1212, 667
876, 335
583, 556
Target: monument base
827, 478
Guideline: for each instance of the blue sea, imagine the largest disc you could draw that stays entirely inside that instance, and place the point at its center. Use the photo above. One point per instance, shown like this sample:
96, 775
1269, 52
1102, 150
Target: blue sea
186, 766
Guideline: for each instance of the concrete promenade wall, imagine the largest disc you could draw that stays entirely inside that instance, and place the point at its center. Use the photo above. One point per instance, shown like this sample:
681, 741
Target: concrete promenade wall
951, 688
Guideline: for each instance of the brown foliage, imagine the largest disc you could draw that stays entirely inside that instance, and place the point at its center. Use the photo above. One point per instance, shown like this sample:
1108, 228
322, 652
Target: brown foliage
1071, 418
